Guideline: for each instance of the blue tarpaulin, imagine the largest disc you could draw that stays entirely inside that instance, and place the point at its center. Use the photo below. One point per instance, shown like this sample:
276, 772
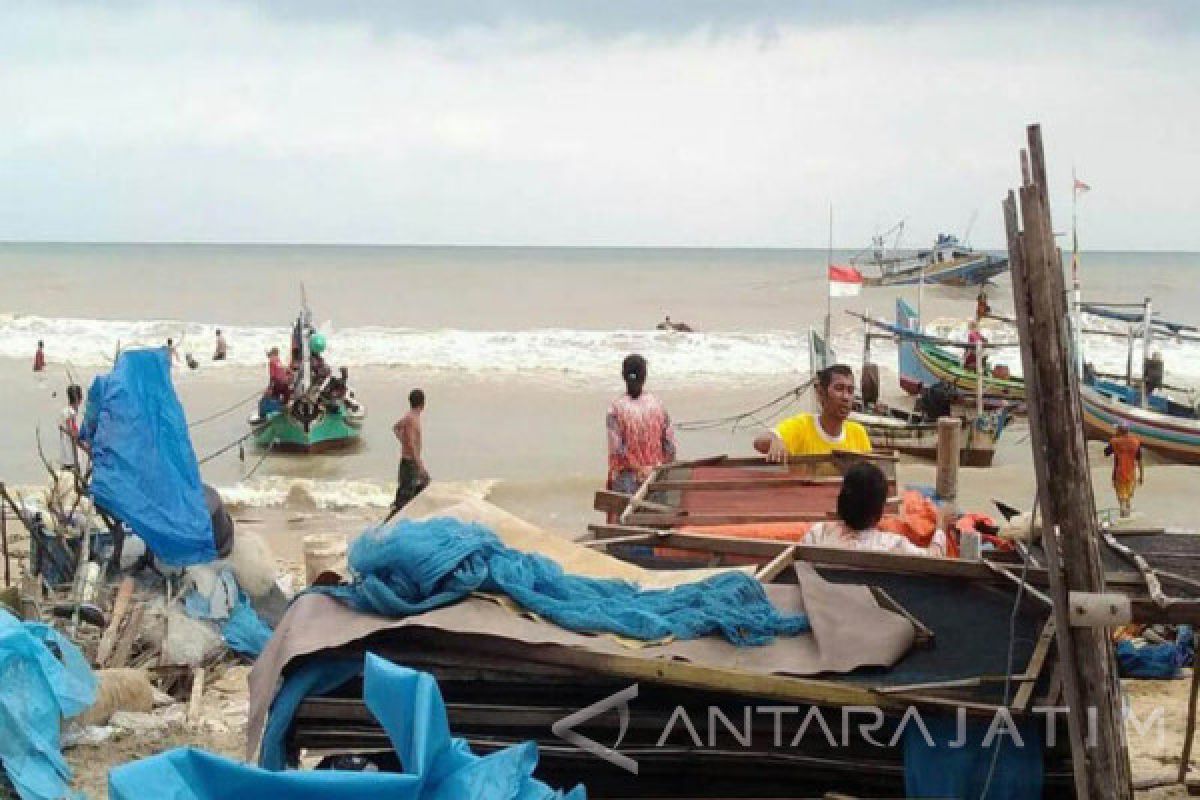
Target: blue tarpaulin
144, 469
38, 687
1156, 661
409, 706
413, 567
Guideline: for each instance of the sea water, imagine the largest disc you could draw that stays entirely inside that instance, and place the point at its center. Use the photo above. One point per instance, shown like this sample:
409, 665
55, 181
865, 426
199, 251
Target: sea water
518, 349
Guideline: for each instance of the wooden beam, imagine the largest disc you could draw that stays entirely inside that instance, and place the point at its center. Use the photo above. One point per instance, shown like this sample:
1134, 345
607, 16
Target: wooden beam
1033, 670
1185, 758
634, 538
746, 483
651, 519
640, 494
776, 565
109, 639
1152, 584
1064, 482
196, 697
129, 635
616, 502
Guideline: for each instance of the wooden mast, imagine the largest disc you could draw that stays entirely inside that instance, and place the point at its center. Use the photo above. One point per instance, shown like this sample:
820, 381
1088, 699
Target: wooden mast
1064, 482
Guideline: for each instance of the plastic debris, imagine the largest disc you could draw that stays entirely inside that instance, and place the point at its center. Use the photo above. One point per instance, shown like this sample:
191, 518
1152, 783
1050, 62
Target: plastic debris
43, 678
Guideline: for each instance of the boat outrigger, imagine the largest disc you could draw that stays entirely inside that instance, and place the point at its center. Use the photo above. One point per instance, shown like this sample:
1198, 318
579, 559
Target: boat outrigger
318, 411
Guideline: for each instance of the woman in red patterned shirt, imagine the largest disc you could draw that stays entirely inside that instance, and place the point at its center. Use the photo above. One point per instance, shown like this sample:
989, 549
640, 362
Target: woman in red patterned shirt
640, 437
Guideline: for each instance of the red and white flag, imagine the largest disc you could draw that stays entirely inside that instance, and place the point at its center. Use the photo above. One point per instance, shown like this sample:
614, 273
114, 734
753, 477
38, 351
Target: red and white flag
844, 281
1080, 186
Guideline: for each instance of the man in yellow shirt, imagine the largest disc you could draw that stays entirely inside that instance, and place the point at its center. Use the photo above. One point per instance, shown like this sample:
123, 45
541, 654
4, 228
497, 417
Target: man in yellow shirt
808, 434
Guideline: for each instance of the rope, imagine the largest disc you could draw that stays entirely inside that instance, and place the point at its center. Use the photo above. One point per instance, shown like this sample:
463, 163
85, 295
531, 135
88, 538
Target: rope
226, 448
776, 406
1012, 642
254, 469
257, 393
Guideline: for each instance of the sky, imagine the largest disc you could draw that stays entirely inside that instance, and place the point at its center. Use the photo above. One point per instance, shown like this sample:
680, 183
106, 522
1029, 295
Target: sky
600, 123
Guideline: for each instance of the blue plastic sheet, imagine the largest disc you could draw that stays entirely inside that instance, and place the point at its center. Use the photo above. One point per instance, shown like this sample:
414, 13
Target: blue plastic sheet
1156, 661
412, 567
37, 689
954, 763
144, 469
244, 631
409, 706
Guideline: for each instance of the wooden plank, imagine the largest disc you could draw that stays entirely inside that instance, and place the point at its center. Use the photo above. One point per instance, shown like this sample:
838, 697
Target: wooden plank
776, 565
635, 538
640, 494
925, 637
1024, 586
1152, 584
1033, 670
129, 635
1064, 484
196, 697
772, 482
109, 639
653, 519
616, 502
1185, 758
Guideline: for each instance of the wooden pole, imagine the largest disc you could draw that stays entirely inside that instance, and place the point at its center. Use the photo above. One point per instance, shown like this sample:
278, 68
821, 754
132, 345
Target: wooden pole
948, 432
4, 540
1064, 481
1186, 757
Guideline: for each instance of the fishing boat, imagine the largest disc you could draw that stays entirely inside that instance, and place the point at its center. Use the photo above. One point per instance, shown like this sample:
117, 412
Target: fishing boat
1166, 425
914, 433
948, 262
925, 361
321, 413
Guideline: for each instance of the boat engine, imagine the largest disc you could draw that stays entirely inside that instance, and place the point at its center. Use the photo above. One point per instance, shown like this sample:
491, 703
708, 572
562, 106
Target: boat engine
935, 401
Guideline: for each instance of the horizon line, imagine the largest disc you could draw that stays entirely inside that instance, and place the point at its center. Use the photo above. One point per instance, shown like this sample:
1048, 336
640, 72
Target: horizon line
508, 246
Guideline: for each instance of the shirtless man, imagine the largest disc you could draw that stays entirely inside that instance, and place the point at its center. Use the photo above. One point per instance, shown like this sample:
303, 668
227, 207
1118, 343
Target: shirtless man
412, 477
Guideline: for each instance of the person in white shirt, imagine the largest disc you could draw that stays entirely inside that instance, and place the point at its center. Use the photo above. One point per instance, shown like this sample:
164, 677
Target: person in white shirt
69, 444
860, 508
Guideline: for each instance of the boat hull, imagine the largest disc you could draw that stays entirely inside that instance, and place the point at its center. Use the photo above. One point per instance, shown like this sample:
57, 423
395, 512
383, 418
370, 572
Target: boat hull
961, 272
919, 440
1170, 437
282, 432
922, 365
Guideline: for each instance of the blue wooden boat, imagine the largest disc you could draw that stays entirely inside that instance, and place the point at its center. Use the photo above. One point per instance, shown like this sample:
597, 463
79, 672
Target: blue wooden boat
948, 262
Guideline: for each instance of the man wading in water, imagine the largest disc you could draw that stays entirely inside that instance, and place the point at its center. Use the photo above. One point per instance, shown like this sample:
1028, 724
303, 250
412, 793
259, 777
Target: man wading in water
412, 477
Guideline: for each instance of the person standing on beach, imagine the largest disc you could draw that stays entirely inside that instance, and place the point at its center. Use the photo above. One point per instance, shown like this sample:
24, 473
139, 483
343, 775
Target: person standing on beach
974, 338
222, 349
1128, 472
39, 357
809, 434
69, 443
640, 436
172, 353
411, 477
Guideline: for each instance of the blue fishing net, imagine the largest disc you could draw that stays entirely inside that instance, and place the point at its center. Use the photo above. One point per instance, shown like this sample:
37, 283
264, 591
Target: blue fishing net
412, 567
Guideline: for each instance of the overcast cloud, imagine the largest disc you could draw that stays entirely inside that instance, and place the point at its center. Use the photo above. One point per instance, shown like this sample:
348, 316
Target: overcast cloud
599, 123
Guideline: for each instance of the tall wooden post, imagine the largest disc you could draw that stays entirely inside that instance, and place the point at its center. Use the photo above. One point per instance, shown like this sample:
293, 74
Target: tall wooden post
1064, 481
948, 447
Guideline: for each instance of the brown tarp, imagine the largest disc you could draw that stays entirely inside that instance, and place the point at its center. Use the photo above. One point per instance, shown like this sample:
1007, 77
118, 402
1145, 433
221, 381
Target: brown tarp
849, 630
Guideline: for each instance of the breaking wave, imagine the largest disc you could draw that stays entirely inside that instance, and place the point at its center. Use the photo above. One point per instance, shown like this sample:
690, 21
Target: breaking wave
547, 351
305, 494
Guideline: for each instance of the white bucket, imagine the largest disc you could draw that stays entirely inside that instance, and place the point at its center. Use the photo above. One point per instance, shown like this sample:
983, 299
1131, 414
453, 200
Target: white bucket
323, 552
